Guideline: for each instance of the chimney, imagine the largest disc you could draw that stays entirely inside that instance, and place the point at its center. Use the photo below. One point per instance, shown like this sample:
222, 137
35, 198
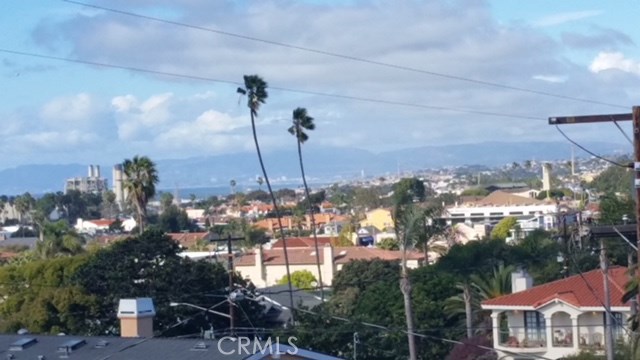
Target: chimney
260, 270
328, 265
520, 281
136, 317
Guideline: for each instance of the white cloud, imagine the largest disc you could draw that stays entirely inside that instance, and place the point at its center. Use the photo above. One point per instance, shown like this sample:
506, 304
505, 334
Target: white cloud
562, 18
614, 60
69, 110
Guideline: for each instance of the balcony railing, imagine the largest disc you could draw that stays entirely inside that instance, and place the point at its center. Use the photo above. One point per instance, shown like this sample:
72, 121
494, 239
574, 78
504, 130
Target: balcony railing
562, 337
591, 341
510, 341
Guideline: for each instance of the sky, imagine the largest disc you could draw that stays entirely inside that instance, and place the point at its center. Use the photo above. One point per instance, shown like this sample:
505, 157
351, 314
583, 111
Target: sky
376, 75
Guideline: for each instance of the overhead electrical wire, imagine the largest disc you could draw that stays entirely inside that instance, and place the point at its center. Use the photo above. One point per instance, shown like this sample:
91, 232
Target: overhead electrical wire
283, 89
346, 57
622, 131
591, 152
425, 336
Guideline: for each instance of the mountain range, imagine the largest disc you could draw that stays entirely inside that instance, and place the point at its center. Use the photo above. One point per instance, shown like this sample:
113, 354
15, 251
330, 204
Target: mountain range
322, 164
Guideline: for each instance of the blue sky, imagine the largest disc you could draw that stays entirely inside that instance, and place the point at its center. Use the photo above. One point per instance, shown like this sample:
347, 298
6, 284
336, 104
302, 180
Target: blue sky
61, 112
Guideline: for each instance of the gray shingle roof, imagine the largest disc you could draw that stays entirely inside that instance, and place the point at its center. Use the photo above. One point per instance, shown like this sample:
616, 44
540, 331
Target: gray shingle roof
115, 348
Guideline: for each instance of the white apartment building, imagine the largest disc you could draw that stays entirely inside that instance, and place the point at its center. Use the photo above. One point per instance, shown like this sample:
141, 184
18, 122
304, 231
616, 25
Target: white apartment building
498, 205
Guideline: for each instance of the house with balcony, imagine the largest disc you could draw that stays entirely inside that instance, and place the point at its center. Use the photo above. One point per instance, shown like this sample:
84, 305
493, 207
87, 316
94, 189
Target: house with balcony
499, 205
560, 318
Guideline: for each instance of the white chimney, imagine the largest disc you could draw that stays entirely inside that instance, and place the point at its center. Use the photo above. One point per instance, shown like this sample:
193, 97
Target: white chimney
520, 281
260, 269
136, 317
328, 265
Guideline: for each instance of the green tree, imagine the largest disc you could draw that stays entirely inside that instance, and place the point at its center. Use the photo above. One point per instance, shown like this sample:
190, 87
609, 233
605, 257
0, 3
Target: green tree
148, 266
174, 219
141, 178
255, 88
409, 190
389, 244
59, 239
303, 123
614, 180
40, 297
166, 200
109, 203
501, 230
367, 291
408, 222
614, 208
302, 279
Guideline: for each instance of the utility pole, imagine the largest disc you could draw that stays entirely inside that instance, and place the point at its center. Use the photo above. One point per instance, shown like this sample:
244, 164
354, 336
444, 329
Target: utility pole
635, 118
229, 239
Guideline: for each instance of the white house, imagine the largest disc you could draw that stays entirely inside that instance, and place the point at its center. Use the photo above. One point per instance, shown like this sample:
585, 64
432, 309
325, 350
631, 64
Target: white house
102, 225
498, 205
559, 318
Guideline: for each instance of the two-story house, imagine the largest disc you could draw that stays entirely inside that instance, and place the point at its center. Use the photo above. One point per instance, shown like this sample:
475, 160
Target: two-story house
559, 318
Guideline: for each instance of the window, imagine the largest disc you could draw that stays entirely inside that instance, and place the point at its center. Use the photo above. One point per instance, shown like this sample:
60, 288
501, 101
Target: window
534, 326
618, 325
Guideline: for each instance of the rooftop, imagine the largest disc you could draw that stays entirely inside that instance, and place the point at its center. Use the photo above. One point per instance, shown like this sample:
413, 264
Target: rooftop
573, 290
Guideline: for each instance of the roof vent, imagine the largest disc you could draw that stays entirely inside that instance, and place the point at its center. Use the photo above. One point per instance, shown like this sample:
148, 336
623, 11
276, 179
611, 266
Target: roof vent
41, 357
343, 252
313, 253
101, 344
23, 331
71, 345
22, 344
201, 346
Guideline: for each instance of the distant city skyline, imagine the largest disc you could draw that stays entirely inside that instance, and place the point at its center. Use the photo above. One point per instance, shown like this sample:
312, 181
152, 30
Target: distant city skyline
375, 75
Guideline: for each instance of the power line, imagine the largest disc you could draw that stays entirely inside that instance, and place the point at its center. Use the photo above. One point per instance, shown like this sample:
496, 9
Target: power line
622, 131
431, 337
346, 57
589, 151
283, 89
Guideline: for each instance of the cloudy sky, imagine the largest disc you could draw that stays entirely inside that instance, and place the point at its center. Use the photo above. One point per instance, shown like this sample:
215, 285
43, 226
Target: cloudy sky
369, 72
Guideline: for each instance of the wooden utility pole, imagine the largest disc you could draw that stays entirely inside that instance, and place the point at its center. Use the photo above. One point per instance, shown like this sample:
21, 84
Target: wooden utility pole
635, 119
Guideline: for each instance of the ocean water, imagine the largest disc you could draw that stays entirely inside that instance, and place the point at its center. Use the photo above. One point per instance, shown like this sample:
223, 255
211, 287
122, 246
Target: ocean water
205, 192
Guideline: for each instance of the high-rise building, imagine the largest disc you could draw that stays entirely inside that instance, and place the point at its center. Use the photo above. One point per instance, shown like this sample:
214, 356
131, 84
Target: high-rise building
92, 183
546, 176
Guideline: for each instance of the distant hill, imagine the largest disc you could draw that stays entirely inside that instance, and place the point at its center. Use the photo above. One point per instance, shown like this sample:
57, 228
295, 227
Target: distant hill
323, 164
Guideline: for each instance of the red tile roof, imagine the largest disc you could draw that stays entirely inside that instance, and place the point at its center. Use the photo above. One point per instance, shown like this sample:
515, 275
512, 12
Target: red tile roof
572, 290
342, 255
302, 242
188, 239
102, 222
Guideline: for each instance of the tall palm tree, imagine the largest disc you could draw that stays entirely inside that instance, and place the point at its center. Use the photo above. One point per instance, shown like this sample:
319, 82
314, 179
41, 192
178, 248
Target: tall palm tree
302, 122
255, 88
408, 223
140, 182
260, 181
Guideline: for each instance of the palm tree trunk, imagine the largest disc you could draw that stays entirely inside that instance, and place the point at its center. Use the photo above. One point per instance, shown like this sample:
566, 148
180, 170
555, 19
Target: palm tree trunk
466, 295
313, 222
405, 287
277, 211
